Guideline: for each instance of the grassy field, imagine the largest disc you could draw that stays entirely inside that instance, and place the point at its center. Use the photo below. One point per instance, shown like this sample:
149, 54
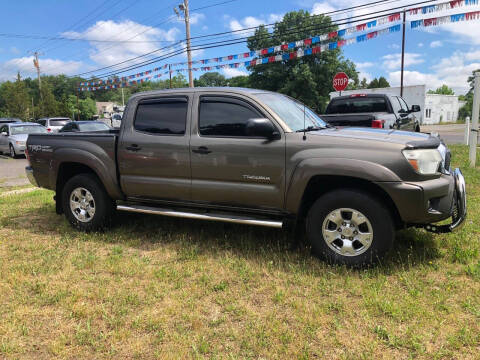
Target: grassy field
156, 287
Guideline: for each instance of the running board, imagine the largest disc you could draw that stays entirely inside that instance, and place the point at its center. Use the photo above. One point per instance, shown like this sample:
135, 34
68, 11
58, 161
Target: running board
247, 220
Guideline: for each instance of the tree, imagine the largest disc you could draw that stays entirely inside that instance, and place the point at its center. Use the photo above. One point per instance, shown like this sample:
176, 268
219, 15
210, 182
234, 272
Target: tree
17, 99
363, 84
239, 81
87, 108
443, 90
316, 71
48, 104
381, 82
466, 110
211, 79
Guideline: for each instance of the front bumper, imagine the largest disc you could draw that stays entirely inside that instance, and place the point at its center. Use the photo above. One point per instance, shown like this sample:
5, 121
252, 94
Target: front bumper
31, 178
421, 204
459, 207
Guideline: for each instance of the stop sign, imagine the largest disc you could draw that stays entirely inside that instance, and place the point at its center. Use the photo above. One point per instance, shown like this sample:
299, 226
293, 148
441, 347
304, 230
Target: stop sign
340, 81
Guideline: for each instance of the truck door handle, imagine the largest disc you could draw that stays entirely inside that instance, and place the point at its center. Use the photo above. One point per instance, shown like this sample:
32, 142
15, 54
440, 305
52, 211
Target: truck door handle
201, 150
133, 147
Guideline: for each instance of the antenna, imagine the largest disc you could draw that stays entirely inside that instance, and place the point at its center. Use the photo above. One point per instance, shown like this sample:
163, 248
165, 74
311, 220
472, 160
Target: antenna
304, 134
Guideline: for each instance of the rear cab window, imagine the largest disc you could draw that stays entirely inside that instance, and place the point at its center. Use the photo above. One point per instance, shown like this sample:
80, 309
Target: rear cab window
162, 116
59, 122
357, 104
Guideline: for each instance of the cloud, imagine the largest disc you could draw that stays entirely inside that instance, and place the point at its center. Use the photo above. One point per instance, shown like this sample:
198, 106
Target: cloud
420, 45
436, 44
322, 8
393, 61
195, 18
234, 72
250, 22
9, 69
107, 53
14, 50
452, 71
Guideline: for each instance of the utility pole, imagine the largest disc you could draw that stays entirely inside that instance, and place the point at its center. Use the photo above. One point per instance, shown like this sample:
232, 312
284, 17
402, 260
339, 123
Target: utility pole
186, 15
78, 109
403, 52
36, 63
170, 74
33, 110
123, 97
475, 114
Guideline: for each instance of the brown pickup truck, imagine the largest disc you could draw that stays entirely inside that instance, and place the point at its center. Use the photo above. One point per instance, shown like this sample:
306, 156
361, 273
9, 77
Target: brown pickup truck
253, 157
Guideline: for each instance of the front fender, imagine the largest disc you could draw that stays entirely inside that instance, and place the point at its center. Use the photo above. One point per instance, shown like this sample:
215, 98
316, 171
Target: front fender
103, 166
307, 169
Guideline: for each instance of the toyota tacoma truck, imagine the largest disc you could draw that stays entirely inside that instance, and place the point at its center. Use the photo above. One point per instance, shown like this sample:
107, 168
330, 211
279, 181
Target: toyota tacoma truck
253, 157
372, 110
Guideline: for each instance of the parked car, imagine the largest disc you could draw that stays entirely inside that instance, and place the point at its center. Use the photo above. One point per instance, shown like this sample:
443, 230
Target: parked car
253, 157
8, 120
85, 126
54, 124
13, 136
372, 110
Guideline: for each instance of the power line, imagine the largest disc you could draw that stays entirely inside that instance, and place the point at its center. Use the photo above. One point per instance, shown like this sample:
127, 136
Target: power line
243, 39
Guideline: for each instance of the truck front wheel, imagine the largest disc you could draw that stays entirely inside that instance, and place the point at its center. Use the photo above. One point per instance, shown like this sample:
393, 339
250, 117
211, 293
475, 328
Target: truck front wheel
86, 204
349, 227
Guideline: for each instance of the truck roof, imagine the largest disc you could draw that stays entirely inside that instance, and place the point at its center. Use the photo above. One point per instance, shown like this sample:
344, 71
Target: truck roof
226, 89
359, 96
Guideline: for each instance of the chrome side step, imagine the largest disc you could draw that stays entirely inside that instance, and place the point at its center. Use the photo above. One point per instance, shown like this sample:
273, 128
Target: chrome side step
248, 220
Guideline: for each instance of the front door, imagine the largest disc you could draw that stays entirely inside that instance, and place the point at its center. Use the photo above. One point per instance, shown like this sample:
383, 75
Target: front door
153, 150
4, 138
230, 167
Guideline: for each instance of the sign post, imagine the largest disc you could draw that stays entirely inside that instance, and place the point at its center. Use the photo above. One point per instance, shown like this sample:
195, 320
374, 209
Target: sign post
475, 115
340, 82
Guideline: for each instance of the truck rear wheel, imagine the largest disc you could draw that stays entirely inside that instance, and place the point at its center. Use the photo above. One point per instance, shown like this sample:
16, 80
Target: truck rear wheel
349, 227
86, 204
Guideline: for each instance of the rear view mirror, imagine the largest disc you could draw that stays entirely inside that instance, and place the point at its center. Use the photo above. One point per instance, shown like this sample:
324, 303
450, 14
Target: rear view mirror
4, 134
262, 128
415, 108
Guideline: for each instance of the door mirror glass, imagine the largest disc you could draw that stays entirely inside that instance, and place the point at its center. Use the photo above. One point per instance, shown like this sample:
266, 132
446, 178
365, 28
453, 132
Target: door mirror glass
415, 108
262, 128
4, 133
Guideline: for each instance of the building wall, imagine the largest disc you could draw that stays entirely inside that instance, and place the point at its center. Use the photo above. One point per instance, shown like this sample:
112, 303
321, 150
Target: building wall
441, 108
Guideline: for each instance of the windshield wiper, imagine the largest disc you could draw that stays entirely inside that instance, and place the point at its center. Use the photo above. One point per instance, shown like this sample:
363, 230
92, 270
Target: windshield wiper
312, 128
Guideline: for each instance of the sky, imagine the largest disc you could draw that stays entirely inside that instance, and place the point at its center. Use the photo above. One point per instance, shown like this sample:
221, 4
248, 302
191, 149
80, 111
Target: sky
445, 54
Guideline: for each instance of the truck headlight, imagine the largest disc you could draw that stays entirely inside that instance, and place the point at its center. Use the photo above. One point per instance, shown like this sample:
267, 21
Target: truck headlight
21, 143
424, 161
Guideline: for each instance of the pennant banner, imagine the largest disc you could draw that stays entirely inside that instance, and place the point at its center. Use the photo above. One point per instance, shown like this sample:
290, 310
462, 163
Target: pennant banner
299, 53
263, 52
448, 5
474, 15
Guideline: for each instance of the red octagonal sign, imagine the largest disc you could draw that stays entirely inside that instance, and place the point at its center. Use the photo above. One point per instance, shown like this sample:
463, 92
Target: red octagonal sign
340, 81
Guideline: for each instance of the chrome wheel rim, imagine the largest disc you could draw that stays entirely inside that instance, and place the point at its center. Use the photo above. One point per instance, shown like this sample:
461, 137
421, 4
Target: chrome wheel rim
347, 232
82, 204
12, 151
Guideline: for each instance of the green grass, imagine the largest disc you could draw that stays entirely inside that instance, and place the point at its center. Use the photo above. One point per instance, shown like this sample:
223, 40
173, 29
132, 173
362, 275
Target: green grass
155, 287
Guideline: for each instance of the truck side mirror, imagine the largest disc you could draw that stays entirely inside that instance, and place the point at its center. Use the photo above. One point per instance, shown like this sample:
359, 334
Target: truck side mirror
415, 108
4, 133
262, 128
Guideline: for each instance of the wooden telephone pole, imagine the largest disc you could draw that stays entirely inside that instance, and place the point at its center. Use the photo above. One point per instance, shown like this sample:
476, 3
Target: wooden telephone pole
186, 15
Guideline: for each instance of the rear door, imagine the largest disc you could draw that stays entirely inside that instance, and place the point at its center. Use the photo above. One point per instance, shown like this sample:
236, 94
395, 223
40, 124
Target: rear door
228, 167
153, 150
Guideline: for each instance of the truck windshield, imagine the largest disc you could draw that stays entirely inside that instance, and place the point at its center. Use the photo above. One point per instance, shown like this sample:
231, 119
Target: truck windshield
27, 129
292, 112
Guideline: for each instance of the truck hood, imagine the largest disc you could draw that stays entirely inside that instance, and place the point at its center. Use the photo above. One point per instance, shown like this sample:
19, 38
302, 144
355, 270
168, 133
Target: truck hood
409, 139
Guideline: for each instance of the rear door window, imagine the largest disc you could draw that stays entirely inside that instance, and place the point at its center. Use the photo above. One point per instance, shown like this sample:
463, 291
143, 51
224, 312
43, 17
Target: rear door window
165, 116
395, 104
356, 105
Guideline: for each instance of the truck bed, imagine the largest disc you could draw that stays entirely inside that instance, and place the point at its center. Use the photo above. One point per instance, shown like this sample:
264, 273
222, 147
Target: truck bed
47, 152
356, 120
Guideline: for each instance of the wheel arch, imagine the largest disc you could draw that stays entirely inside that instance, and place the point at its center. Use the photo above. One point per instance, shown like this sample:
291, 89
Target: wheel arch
319, 185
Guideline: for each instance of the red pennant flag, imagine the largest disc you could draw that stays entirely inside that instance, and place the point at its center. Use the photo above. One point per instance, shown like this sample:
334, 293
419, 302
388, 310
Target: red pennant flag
284, 47
264, 51
230, 57
316, 50
332, 34
361, 27
271, 59
293, 55
394, 17
307, 41
371, 35
341, 42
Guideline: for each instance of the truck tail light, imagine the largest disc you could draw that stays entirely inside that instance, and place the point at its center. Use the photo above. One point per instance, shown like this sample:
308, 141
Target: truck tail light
27, 155
379, 124
49, 130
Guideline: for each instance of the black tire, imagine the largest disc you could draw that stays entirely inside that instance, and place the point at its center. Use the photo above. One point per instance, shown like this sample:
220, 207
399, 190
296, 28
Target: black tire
373, 209
104, 206
417, 128
13, 155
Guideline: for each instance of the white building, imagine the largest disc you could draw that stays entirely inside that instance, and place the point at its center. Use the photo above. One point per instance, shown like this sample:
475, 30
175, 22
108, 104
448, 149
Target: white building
435, 108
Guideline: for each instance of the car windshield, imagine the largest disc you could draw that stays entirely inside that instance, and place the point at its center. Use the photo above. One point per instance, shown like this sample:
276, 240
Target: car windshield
93, 127
295, 114
59, 122
27, 129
